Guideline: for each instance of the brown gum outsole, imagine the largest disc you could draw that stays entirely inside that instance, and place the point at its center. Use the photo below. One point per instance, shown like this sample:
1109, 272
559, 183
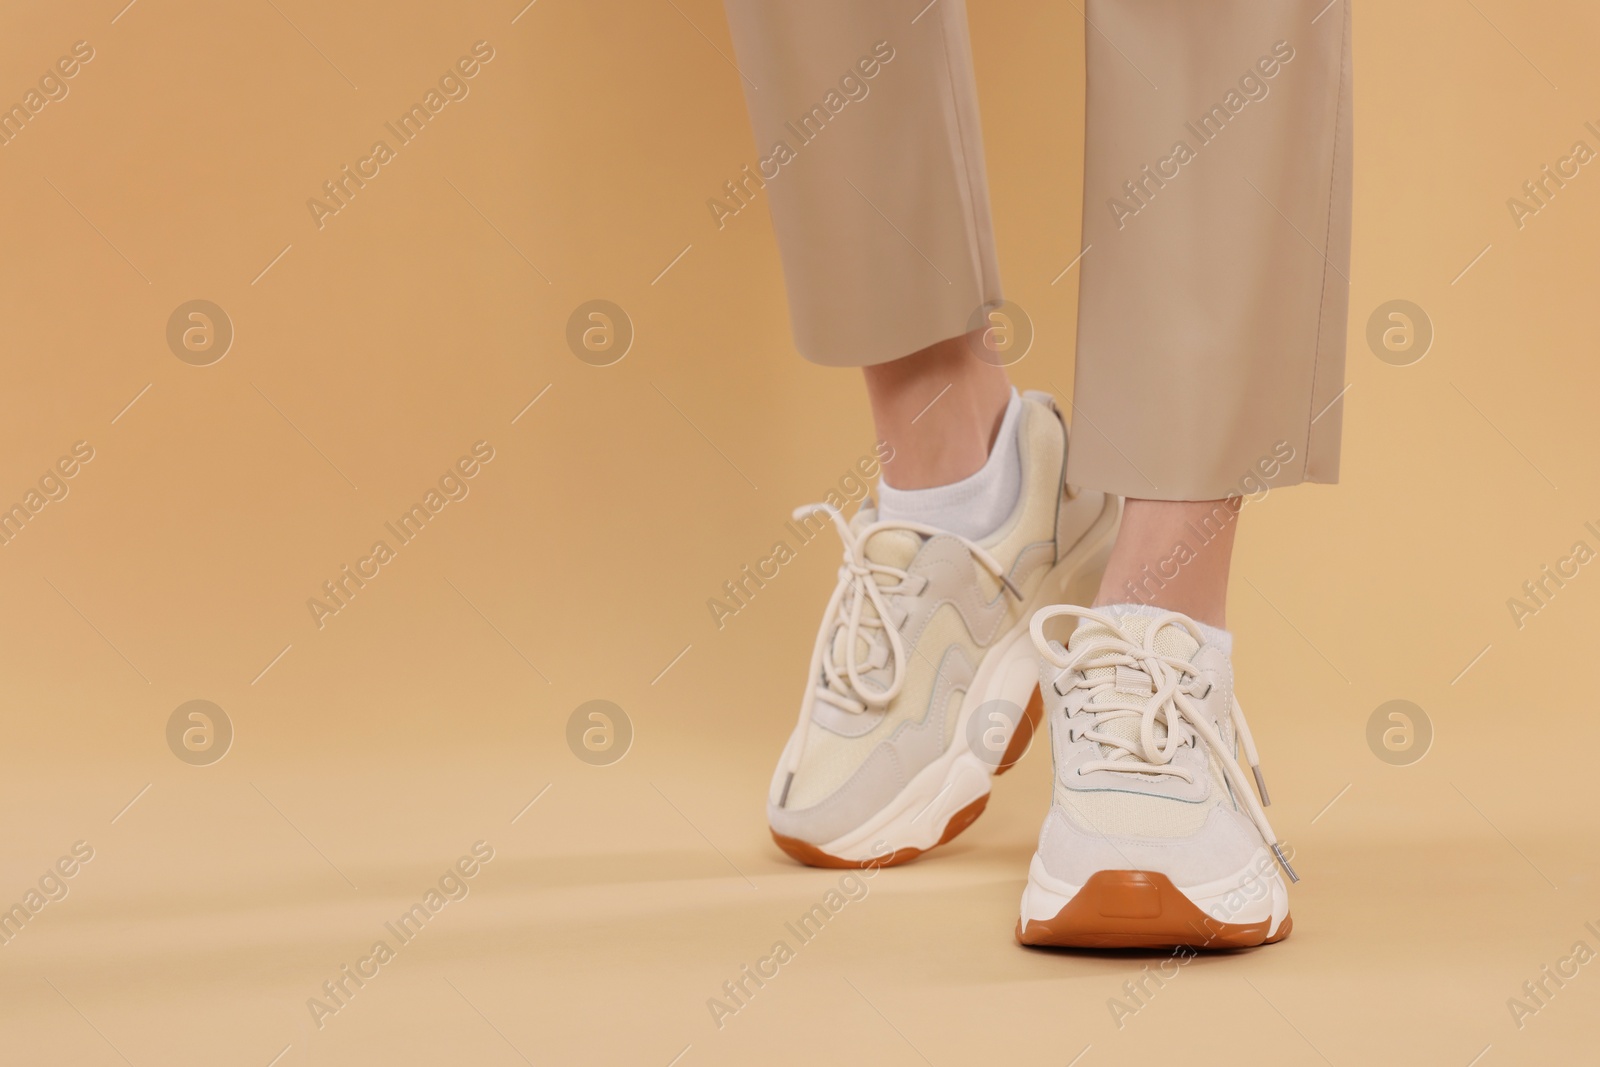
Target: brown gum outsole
1141, 909
812, 856
1023, 734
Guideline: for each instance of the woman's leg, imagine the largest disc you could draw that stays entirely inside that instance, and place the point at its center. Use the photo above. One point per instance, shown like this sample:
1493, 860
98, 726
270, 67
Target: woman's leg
866, 121
1212, 310
1210, 359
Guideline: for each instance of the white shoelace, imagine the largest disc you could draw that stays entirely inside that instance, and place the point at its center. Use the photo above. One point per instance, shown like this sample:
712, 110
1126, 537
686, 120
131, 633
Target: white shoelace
880, 630
1177, 687
857, 588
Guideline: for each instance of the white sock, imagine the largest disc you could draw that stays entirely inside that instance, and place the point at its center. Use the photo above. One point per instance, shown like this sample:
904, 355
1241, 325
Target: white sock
975, 506
1217, 638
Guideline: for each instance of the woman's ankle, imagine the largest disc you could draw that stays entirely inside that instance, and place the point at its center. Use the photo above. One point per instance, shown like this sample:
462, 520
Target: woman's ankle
939, 410
1173, 554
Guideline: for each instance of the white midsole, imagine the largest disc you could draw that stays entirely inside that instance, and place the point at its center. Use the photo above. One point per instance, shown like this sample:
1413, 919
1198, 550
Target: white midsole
1248, 895
1009, 671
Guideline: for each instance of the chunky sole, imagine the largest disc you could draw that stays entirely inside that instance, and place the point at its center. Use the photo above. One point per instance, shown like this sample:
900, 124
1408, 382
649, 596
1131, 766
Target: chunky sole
945, 797
1021, 739
1144, 909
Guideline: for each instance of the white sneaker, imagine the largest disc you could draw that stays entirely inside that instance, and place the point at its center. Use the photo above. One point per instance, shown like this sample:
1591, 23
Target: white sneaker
1154, 837
880, 767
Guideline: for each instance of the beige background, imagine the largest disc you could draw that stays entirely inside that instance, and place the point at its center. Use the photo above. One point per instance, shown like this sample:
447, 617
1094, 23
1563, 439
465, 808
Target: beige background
425, 716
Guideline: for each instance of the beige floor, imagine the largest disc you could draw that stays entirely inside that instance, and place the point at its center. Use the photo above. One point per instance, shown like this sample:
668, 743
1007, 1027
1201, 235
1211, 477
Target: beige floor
372, 753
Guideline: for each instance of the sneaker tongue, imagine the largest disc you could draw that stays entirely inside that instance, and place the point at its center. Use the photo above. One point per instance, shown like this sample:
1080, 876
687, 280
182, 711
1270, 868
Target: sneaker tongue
1173, 640
891, 548
1133, 686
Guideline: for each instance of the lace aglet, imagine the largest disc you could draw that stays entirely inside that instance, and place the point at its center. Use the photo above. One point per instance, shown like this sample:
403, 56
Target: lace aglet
1261, 786
1278, 852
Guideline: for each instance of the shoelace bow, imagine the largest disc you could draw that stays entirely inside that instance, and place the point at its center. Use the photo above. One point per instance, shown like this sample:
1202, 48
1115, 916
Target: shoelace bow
1173, 704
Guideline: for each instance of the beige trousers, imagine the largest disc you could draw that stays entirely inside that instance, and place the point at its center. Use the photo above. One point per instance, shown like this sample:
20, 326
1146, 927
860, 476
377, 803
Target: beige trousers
1216, 218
